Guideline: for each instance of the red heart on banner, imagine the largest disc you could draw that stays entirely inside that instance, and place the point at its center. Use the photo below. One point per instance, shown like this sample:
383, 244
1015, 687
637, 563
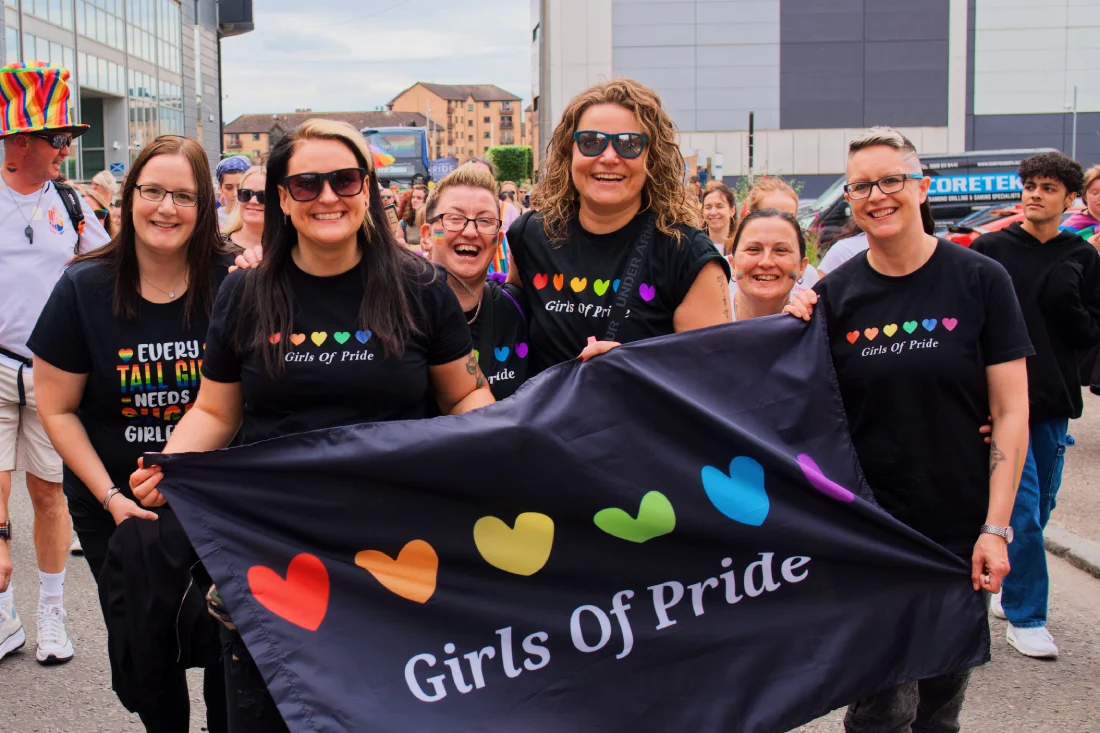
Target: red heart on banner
301, 599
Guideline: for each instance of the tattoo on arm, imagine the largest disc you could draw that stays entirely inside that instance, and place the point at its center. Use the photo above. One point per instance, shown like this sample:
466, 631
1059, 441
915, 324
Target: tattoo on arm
475, 371
996, 457
725, 295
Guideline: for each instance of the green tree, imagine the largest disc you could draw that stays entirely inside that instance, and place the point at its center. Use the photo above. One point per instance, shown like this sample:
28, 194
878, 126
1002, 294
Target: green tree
513, 162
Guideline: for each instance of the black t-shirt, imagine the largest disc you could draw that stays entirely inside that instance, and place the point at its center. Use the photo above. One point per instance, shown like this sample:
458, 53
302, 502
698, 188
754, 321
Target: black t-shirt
499, 334
334, 372
143, 375
570, 287
910, 354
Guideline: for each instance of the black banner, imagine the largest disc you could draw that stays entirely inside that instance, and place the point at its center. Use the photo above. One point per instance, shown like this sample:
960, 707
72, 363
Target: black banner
675, 536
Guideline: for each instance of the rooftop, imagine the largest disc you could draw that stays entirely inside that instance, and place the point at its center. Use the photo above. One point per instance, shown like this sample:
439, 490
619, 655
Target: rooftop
288, 121
462, 92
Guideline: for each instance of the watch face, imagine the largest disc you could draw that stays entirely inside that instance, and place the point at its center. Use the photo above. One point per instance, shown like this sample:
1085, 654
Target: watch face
1009, 535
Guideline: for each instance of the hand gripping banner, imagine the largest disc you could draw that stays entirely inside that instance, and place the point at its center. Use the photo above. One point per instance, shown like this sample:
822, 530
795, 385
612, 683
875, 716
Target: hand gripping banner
675, 536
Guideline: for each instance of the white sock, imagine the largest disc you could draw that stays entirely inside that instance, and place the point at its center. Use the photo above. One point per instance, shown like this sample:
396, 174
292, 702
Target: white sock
6, 596
51, 587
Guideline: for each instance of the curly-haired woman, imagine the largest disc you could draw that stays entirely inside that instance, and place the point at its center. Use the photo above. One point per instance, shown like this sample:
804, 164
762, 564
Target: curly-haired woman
614, 233
411, 202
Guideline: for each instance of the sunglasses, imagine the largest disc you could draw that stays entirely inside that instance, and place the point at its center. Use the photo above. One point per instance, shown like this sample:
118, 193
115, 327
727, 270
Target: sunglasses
244, 195
101, 214
56, 141
308, 186
628, 145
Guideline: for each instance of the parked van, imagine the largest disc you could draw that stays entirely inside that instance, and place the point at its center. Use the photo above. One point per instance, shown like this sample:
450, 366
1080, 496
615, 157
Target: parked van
962, 183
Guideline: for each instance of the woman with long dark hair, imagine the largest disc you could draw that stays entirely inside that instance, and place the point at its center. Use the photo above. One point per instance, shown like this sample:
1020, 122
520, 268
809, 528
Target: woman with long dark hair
337, 325
614, 231
720, 215
116, 350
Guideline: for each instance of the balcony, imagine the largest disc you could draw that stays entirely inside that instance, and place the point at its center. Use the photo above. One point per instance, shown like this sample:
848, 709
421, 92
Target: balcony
507, 140
233, 144
505, 106
506, 123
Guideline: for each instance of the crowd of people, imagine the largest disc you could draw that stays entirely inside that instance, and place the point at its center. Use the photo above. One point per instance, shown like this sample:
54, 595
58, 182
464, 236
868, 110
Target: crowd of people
101, 351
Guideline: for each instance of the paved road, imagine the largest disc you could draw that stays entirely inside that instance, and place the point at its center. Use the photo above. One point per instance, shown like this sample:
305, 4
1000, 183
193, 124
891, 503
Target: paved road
1011, 695
1079, 499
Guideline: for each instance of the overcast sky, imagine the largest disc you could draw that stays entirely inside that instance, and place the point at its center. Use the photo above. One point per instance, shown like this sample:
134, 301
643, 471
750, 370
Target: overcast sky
351, 55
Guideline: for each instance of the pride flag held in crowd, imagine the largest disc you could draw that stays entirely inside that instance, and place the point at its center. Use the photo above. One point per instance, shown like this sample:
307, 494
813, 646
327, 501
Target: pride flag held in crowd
626, 544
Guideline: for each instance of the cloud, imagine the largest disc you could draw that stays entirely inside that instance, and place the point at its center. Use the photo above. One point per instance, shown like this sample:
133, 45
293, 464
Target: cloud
333, 57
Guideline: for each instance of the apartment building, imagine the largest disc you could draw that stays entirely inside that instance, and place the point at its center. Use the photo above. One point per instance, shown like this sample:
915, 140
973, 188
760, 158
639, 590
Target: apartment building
139, 69
254, 135
478, 116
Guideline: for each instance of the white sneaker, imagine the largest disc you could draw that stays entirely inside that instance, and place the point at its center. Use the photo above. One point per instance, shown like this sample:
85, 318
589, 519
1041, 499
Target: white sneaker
1035, 642
54, 646
75, 548
996, 607
12, 636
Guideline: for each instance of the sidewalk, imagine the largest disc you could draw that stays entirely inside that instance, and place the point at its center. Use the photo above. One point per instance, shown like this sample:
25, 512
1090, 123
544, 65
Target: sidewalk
1074, 530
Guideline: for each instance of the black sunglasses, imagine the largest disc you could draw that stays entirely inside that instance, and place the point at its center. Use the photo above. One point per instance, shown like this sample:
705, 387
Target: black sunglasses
244, 195
308, 186
56, 141
101, 214
628, 145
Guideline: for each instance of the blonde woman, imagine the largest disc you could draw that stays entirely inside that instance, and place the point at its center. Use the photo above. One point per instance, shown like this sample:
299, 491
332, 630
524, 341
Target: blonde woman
614, 230
246, 224
100, 206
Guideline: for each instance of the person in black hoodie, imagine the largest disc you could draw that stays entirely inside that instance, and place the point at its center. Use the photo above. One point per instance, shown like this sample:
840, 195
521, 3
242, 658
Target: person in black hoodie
1056, 275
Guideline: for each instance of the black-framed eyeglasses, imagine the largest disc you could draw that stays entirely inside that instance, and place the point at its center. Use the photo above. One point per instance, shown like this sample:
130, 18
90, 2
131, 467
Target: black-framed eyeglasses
628, 145
149, 192
101, 214
308, 186
886, 184
56, 140
457, 223
244, 195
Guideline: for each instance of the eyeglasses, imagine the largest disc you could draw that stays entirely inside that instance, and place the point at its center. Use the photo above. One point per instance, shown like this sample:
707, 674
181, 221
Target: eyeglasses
628, 145
308, 186
101, 214
458, 222
150, 192
244, 195
56, 140
887, 184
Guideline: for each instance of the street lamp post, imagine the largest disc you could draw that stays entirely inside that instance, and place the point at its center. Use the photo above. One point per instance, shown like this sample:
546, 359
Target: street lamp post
1073, 108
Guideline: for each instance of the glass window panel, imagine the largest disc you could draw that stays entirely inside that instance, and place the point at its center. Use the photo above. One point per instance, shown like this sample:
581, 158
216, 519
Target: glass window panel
110, 31
55, 11
102, 73
92, 78
82, 67
67, 55
56, 57
42, 49
120, 82
80, 17
11, 41
120, 33
67, 14
28, 47
100, 25
93, 160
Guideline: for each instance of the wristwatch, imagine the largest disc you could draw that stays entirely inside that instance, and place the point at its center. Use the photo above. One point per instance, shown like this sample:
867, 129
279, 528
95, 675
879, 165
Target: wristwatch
5, 530
1005, 533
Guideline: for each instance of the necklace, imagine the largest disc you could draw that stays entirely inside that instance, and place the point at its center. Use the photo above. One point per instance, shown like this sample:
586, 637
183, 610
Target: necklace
29, 231
478, 311
170, 293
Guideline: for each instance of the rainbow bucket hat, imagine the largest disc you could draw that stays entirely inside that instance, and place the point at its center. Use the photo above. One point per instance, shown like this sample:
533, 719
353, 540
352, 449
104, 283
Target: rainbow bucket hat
34, 97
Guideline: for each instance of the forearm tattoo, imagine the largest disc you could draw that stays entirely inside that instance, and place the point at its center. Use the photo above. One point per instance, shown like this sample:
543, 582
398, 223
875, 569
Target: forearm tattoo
725, 295
996, 457
475, 371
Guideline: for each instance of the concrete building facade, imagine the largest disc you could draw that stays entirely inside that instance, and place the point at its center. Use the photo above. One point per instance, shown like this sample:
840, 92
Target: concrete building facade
140, 68
475, 116
953, 75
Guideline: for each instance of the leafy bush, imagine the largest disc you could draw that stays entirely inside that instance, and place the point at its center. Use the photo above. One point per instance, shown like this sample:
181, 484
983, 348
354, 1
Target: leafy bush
513, 162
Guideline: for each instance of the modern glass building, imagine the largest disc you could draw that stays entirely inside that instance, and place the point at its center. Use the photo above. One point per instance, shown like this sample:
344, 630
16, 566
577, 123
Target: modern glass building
140, 68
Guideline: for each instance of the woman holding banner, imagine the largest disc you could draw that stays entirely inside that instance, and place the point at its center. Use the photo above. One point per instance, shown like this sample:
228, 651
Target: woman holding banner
614, 232
928, 340
136, 309
337, 325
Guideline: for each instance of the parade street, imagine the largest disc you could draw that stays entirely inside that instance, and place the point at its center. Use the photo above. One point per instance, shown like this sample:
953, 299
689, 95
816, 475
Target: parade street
1013, 694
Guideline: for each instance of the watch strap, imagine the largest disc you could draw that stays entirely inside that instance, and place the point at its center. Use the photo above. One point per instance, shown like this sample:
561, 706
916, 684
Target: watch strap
5, 530
1001, 532
110, 495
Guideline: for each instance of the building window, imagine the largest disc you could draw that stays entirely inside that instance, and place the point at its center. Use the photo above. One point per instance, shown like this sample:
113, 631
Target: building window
535, 34
255, 136
469, 108
469, 123
487, 135
471, 138
486, 105
485, 120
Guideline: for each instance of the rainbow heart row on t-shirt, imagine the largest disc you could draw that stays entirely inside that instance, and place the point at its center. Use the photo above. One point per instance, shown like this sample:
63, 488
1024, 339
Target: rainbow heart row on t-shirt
320, 337
501, 353
909, 327
600, 287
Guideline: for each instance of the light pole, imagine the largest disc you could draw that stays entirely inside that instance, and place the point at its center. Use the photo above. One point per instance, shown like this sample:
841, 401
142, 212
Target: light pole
1073, 108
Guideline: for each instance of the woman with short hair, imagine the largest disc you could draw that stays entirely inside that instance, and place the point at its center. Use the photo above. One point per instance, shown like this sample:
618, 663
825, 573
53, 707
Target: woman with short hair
614, 231
927, 341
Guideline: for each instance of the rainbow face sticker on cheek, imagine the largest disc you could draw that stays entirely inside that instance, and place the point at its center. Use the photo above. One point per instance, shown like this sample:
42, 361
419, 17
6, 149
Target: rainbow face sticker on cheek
437, 237
738, 275
794, 275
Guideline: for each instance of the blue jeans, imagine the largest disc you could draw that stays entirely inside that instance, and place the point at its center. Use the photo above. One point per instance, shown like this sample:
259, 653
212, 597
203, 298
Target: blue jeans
1026, 588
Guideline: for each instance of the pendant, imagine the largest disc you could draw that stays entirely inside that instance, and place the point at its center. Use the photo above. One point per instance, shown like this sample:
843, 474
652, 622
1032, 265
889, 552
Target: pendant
29, 231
